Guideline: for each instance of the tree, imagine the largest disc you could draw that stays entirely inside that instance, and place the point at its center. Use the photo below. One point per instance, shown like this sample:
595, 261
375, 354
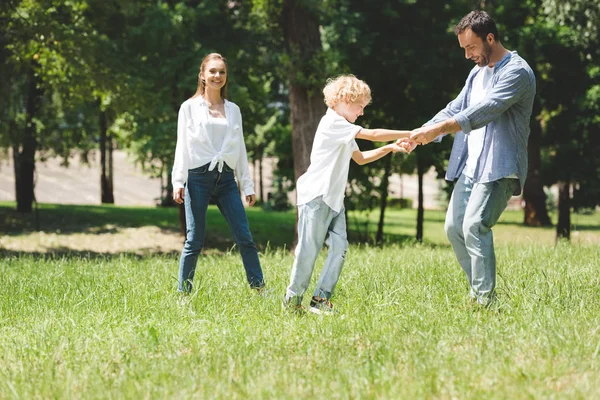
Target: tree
42, 66
300, 25
571, 103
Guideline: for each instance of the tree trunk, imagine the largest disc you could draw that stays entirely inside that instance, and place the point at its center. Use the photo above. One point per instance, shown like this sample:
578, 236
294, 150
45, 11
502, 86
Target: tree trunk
24, 157
166, 197
301, 31
385, 181
260, 179
420, 208
535, 212
106, 182
563, 227
182, 223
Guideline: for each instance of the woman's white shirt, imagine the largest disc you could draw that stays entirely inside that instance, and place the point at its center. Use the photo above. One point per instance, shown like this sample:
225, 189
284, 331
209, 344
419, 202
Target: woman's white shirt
198, 143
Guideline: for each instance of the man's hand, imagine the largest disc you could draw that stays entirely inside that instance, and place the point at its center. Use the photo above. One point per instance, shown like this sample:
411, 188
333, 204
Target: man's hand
407, 144
178, 195
251, 199
424, 135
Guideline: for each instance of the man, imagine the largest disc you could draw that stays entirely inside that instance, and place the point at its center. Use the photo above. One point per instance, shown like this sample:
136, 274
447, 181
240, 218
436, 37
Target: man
490, 117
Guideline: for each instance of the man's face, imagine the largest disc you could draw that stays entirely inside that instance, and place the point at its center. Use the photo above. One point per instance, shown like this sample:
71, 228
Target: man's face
476, 49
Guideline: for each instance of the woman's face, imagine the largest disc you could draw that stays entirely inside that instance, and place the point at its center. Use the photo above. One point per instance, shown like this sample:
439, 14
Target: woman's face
215, 74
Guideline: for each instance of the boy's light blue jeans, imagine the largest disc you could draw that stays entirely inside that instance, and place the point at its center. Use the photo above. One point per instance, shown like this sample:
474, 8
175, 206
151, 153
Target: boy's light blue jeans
473, 210
201, 185
318, 224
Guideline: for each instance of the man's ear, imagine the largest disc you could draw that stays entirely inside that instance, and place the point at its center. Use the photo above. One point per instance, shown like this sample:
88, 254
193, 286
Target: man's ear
490, 38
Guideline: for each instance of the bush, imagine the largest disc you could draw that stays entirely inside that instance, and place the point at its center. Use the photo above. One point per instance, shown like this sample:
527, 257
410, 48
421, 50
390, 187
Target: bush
400, 203
278, 201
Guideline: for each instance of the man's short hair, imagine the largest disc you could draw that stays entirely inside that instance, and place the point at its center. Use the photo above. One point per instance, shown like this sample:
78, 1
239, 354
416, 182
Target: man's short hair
480, 23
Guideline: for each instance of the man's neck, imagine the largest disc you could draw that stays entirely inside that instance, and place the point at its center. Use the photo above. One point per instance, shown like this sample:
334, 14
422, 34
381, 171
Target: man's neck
498, 54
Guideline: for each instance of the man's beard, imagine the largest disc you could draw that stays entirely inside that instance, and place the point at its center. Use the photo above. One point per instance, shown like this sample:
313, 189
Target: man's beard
486, 54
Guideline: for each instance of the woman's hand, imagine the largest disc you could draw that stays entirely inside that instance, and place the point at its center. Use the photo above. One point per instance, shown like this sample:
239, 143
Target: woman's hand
178, 195
251, 199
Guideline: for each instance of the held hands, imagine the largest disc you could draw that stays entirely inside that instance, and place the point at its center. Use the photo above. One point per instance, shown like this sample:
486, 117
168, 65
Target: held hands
396, 148
407, 144
423, 135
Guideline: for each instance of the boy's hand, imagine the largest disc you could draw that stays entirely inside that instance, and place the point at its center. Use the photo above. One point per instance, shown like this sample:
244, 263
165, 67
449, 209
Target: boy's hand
395, 148
407, 144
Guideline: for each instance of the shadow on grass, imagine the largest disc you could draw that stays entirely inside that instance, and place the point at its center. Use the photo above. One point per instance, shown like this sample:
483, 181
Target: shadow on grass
390, 239
85, 218
61, 253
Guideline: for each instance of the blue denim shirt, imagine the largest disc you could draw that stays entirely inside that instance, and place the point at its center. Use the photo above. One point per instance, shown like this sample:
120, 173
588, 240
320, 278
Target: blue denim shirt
505, 112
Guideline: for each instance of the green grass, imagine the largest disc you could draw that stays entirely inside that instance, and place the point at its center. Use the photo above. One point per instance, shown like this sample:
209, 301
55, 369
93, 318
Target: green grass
112, 326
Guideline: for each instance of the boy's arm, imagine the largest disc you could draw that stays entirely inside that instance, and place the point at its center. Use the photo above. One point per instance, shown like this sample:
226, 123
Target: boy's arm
365, 157
381, 135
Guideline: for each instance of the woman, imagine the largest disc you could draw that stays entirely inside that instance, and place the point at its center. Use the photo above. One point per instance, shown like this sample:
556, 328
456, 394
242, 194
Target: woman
210, 148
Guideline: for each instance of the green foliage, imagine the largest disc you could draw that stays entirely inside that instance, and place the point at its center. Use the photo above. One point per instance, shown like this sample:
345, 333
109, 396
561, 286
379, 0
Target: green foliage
400, 203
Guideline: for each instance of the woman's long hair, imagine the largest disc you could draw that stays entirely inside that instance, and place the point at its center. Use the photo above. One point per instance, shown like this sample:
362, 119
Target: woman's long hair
201, 84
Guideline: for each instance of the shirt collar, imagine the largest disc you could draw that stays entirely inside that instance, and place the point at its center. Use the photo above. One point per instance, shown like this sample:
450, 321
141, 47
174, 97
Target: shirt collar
507, 57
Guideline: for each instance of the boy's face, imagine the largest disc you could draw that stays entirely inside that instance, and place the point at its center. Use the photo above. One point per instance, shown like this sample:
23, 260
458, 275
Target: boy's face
351, 111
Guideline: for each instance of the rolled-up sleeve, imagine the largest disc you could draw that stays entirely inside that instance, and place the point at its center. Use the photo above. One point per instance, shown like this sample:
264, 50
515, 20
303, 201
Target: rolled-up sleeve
504, 94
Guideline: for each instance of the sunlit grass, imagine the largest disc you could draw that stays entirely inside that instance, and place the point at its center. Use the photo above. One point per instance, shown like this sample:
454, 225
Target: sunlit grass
77, 324
75, 327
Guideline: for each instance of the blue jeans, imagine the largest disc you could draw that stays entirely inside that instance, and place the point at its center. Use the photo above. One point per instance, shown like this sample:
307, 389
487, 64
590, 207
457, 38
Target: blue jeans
318, 224
201, 184
473, 210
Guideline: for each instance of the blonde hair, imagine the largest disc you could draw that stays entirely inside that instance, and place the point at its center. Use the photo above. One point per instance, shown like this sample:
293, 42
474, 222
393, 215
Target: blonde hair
201, 84
345, 88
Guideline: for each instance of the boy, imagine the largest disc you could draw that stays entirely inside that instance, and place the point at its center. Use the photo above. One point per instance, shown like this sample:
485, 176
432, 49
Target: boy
321, 189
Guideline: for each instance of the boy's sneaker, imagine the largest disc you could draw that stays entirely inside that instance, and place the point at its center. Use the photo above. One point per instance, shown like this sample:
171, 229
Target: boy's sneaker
321, 306
293, 305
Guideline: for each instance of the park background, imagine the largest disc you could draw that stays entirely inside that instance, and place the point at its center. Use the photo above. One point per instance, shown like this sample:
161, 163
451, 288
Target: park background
90, 237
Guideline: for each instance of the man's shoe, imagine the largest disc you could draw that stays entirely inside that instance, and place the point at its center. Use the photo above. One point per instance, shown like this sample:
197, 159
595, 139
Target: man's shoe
321, 306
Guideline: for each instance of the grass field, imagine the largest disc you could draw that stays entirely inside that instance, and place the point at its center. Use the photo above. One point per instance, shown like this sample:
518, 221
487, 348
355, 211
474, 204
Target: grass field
80, 319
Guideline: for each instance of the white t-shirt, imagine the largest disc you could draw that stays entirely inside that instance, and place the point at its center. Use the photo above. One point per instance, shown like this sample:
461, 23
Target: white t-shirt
475, 138
330, 158
218, 131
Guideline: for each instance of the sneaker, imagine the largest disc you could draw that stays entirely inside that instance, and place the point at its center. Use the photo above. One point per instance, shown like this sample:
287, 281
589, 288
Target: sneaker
259, 290
321, 306
293, 305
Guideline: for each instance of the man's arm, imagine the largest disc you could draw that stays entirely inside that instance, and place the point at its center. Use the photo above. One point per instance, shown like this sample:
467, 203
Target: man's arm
427, 134
507, 92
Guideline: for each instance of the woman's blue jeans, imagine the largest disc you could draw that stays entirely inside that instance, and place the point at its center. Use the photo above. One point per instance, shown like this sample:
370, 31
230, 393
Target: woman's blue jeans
201, 185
